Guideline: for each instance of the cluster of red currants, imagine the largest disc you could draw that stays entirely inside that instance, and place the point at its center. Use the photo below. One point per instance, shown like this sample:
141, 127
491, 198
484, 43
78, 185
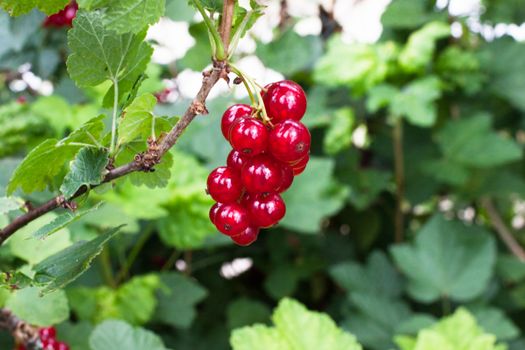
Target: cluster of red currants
63, 18
48, 339
266, 156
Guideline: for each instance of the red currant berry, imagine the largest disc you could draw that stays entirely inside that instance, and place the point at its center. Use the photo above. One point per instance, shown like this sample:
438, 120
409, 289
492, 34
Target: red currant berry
231, 115
213, 211
70, 12
236, 160
249, 136
20, 347
299, 167
289, 141
284, 100
245, 199
231, 219
224, 185
261, 173
47, 333
246, 237
266, 209
61, 346
287, 178
49, 344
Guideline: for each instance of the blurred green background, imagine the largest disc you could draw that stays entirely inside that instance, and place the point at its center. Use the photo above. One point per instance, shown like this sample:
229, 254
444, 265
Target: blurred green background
417, 171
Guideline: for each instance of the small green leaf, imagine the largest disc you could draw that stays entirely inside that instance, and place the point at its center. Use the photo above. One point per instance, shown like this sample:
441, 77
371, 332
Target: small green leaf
495, 321
137, 119
64, 267
125, 16
19, 7
61, 222
459, 261
111, 335
30, 306
87, 169
339, 134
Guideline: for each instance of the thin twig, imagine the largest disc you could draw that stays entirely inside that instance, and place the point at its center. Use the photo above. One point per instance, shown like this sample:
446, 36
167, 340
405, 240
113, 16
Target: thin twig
502, 230
397, 135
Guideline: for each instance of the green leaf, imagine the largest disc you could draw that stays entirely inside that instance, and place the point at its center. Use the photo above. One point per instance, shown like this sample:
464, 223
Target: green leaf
125, 16
46, 161
503, 11
198, 56
87, 169
458, 261
419, 50
24, 246
290, 52
315, 185
98, 55
177, 300
19, 7
61, 222
417, 101
111, 335
8, 204
76, 335
456, 332
465, 141
30, 306
295, 328
137, 119
404, 14
159, 178
178, 10
64, 267
495, 321
242, 312
339, 134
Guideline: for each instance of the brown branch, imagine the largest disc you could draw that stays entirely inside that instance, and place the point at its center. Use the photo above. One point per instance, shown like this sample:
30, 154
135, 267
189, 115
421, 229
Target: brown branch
23, 332
502, 230
226, 22
397, 135
168, 141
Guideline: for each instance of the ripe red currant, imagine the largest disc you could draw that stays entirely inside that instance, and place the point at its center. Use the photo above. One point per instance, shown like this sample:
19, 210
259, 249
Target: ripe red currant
261, 173
287, 178
231, 115
284, 100
47, 333
266, 209
231, 219
289, 141
49, 344
247, 236
213, 211
224, 185
299, 167
61, 346
249, 136
236, 160
64, 17
245, 199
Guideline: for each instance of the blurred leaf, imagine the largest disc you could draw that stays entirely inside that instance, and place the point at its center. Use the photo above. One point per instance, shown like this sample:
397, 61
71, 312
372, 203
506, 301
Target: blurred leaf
447, 260
456, 332
87, 169
461, 68
43, 310
380, 96
495, 321
242, 312
315, 185
503, 11
339, 134
8, 204
418, 52
281, 282
366, 185
19, 7
510, 269
290, 52
198, 56
62, 268
295, 328
404, 14
127, 16
112, 335
177, 300
465, 141
179, 10
76, 335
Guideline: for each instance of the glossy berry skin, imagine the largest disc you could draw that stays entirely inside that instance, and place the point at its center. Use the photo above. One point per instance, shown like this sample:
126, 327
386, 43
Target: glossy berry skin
224, 185
284, 100
299, 167
261, 174
236, 160
287, 178
61, 346
266, 209
232, 219
246, 237
289, 141
49, 344
63, 18
213, 211
47, 333
249, 136
231, 115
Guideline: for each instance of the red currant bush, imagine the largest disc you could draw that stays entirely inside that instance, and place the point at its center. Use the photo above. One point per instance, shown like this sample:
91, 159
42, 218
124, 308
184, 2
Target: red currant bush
249, 136
289, 141
231, 219
266, 209
261, 174
284, 100
224, 185
231, 115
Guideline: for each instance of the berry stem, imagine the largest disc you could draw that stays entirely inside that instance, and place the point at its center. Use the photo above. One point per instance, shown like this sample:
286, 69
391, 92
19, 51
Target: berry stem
218, 47
114, 118
245, 82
